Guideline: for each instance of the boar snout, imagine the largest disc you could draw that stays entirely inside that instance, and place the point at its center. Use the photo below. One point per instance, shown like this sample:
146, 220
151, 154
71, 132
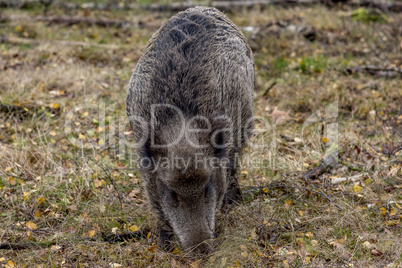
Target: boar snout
198, 242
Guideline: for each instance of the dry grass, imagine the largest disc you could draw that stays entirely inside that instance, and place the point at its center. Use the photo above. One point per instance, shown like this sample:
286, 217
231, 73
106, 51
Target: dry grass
77, 196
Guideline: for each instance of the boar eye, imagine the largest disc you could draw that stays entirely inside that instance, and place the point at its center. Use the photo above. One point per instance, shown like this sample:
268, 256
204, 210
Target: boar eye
207, 190
174, 197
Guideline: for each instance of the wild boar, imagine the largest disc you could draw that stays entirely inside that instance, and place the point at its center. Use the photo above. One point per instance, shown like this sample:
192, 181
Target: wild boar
189, 104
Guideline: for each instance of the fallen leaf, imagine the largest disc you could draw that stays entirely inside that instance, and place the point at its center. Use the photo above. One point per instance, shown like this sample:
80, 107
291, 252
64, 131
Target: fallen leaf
54, 105
12, 181
31, 226
152, 249
115, 265
133, 228
10, 264
376, 252
55, 247
367, 245
279, 116
91, 233
383, 211
356, 188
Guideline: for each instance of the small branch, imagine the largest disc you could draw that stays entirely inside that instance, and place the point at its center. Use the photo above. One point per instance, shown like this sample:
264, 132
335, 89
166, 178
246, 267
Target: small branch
375, 71
83, 20
269, 88
389, 215
16, 40
256, 191
253, 192
350, 166
70, 261
121, 237
107, 172
26, 245
325, 164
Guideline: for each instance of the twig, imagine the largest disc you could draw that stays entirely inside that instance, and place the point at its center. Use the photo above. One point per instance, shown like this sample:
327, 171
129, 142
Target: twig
107, 172
269, 88
325, 164
255, 191
69, 260
389, 215
375, 71
20, 178
396, 150
25, 245
121, 237
330, 200
350, 166
314, 191
16, 40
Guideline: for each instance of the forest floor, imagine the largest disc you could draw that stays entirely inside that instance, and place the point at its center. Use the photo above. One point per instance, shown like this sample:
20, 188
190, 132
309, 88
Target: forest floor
327, 80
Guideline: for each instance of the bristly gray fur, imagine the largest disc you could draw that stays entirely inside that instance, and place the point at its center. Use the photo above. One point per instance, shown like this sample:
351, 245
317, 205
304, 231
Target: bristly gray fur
200, 63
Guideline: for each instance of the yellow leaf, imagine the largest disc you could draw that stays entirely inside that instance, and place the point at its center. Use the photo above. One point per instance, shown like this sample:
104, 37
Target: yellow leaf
383, 211
25, 196
55, 247
299, 241
115, 265
148, 235
357, 189
175, 250
91, 233
152, 249
99, 183
52, 133
133, 228
2, 259
301, 213
324, 139
38, 214
12, 181
54, 105
31, 225
309, 234
288, 202
392, 212
40, 200
265, 190
18, 28
244, 172
10, 264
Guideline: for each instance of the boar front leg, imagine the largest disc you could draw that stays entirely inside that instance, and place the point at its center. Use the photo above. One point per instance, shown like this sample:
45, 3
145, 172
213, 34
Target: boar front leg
165, 238
233, 194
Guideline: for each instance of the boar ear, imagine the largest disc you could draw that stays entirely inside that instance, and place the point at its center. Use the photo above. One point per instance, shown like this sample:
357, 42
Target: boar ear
217, 137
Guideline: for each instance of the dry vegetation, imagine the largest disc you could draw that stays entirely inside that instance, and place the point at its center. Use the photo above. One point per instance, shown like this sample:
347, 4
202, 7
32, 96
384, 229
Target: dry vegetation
64, 205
